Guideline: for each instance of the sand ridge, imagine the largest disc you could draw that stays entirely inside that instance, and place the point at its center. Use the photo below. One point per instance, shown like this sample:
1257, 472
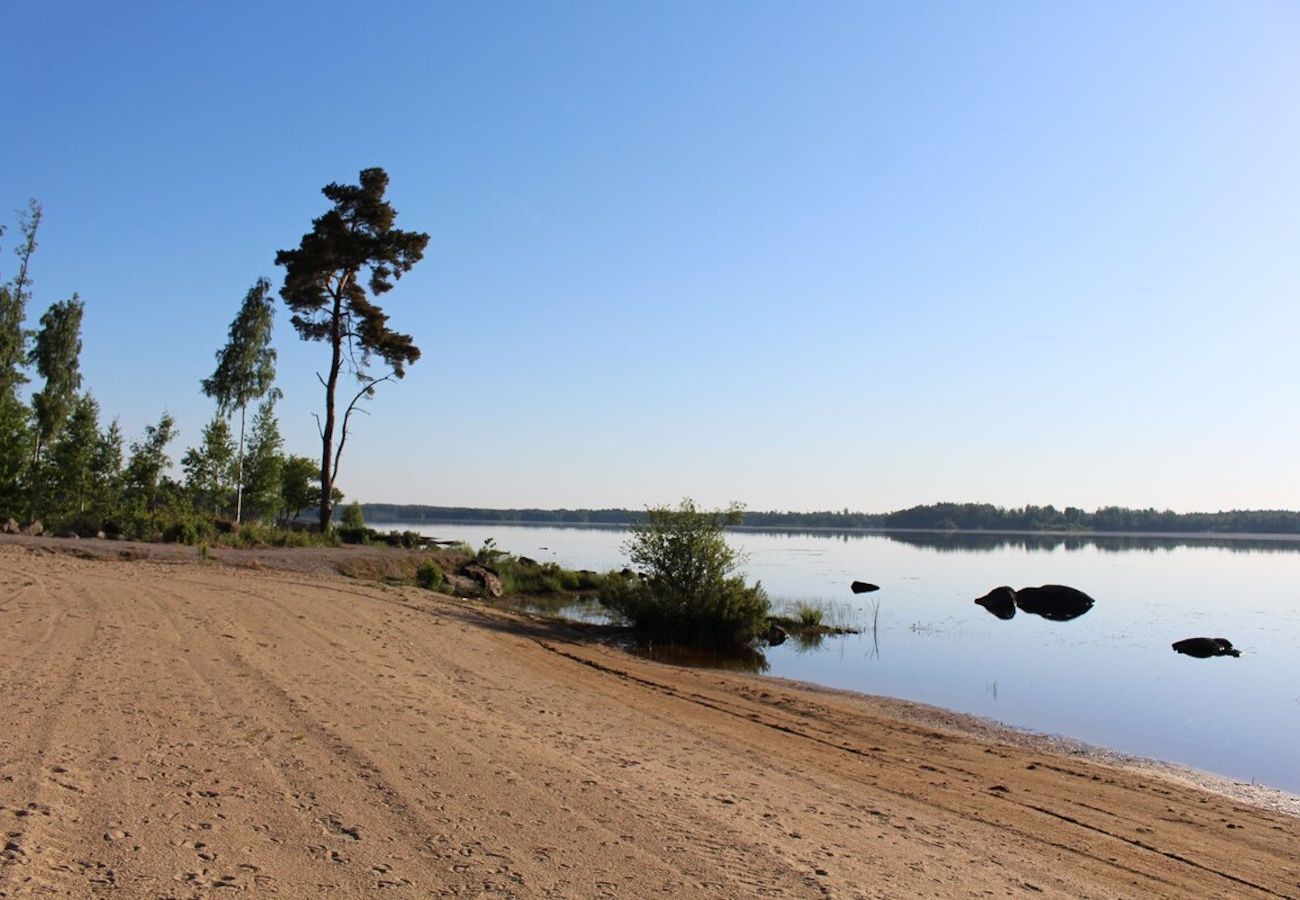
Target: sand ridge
187, 729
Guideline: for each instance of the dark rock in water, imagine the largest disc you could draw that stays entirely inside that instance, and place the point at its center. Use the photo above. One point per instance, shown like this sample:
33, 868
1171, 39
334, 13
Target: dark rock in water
490, 582
862, 587
1053, 601
1001, 601
1204, 647
776, 635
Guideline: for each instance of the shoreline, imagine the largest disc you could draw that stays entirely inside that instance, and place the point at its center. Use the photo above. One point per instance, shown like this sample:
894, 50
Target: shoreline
984, 728
254, 720
332, 560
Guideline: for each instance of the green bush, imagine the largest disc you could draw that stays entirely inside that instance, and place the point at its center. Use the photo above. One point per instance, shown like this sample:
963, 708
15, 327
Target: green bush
528, 577
187, 529
489, 554
688, 589
83, 525
254, 534
429, 575
407, 539
349, 535
353, 518
523, 578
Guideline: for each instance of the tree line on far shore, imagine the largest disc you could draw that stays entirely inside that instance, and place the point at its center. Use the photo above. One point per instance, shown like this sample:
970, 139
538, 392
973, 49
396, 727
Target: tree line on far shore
933, 517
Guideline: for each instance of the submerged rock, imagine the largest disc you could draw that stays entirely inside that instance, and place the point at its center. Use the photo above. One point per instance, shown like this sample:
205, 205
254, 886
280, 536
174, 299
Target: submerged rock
1001, 601
1205, 647
1053, 601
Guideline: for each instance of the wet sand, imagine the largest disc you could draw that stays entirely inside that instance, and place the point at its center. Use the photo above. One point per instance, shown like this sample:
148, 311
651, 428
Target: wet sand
180, 727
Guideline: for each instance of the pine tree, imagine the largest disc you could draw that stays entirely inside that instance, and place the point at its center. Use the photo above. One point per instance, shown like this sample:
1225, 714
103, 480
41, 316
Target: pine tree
324, 289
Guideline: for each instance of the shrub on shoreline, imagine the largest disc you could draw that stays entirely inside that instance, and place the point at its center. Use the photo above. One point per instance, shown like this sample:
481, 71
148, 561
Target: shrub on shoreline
687, 588
429, 575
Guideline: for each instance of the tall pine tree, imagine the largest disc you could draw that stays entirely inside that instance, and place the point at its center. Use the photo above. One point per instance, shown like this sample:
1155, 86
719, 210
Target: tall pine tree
324, 287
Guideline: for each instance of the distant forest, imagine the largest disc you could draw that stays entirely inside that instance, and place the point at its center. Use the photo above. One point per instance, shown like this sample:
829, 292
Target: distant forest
935, 516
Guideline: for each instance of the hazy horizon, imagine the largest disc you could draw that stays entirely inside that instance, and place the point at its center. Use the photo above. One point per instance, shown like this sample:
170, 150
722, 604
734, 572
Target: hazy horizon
820, 257
338, 510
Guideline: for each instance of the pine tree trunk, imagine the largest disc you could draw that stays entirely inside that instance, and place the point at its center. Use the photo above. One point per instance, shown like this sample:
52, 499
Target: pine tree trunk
327, 432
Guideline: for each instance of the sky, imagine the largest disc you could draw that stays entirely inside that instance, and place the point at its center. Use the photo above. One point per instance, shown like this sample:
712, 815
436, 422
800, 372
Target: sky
854, 255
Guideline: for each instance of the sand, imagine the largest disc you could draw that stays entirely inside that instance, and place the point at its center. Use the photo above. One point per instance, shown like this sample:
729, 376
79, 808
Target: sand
191, 728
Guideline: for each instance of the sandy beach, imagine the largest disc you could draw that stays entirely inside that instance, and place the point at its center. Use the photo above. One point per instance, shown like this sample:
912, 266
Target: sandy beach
178, 726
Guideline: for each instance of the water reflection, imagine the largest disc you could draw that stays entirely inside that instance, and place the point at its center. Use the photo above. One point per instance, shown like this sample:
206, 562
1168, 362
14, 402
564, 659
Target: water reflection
743, 660
1054, 602
967, 542
564, 606
805, 641
992, 541
1109, 678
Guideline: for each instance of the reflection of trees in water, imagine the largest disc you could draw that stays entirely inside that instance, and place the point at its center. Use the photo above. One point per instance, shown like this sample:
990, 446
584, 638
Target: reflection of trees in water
987, 541
836, 534
975, 542
805, 641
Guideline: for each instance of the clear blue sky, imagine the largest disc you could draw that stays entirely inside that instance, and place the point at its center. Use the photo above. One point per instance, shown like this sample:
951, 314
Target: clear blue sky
798, 255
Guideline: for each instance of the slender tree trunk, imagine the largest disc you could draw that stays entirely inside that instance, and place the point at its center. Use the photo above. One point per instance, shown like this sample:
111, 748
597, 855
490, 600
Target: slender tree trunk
34, 499
327, 430
239, 472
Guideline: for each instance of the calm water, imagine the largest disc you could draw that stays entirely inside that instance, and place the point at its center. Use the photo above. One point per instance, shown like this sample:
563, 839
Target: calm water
1108, 677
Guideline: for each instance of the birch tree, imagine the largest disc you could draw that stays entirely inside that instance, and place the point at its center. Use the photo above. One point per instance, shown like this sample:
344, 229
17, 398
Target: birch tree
245, 368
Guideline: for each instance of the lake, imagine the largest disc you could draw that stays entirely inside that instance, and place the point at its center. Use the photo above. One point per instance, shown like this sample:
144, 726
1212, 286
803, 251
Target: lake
1108, 677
